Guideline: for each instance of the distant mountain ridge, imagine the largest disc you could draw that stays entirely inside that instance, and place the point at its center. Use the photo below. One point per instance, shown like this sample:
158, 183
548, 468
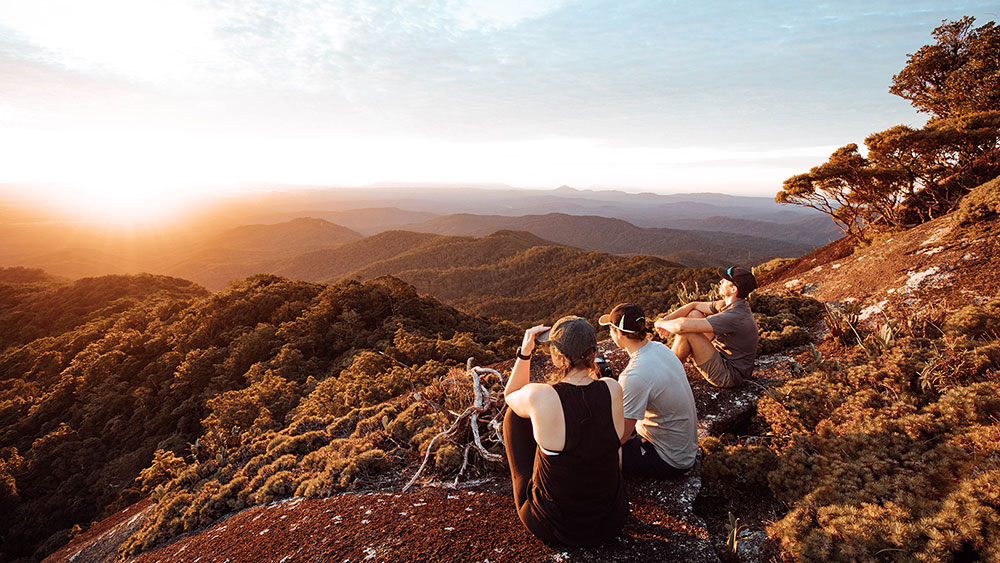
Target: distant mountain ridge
275, 235
621, 237
366, 221
818, 231
295, 236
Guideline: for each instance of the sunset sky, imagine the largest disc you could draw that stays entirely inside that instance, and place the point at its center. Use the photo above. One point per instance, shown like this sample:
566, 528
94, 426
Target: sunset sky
137, 98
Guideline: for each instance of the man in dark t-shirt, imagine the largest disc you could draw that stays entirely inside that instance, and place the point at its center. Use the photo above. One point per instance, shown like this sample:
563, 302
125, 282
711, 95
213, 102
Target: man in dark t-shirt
721, 336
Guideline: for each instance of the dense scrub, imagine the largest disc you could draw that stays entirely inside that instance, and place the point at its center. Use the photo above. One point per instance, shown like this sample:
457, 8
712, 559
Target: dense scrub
137, 365
782, 320
34, 304
980, 207
888, 452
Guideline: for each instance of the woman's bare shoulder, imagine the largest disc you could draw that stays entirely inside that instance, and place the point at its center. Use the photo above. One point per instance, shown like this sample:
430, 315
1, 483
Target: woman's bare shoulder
613, 386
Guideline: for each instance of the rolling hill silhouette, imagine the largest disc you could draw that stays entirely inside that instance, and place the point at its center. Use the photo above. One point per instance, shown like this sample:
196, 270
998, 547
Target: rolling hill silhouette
289, 238
392, 252
616, 236
818, 231
510, 274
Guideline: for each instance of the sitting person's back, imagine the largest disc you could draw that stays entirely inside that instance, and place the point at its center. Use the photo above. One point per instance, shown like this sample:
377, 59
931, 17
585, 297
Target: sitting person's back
562, 442
658, 403
581, 487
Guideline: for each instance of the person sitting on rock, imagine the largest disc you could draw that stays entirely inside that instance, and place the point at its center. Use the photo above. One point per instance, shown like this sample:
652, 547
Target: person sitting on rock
562, 440
720, 336
661, 422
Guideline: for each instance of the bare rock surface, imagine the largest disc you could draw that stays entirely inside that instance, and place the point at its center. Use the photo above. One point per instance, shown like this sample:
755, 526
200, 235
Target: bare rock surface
926, 271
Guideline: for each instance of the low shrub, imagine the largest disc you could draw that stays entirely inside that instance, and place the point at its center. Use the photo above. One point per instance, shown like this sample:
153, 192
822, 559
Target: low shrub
893, 455
976, 321
979, 205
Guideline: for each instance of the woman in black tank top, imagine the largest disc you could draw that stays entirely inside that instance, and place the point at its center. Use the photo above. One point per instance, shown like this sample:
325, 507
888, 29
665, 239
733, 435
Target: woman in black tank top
563, 441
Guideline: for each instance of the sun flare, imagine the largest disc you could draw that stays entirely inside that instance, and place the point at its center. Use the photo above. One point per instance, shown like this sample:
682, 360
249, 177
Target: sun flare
118, 204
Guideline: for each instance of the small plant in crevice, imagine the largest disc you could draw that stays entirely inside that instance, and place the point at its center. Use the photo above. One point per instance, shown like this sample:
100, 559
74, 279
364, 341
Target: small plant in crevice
841, 322
733, 530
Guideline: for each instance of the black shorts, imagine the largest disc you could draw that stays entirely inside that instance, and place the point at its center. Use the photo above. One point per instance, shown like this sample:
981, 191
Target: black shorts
639, 458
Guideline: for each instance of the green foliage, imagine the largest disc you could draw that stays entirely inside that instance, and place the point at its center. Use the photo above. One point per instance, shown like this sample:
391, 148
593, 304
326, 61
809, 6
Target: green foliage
775, 341
780, 320
958, 74
32, 306
733, 528
11, 465
728, 470
771, 265
842, 322
165, 467
976, 321
981, 205
21, 275
544, 283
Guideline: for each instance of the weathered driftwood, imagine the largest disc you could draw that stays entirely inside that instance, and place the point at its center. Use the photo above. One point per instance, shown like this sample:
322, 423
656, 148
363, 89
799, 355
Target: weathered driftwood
482, 404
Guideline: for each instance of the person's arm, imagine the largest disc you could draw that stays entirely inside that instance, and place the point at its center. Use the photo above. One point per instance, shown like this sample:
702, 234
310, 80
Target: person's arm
521, 374
682, 325
635, 397
617, 404
629, 427
517, 392
706, 307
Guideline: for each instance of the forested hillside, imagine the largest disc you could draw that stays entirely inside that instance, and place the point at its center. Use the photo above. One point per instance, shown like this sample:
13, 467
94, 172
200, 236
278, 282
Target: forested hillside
511, 275
547, 282
392, 252
103, 372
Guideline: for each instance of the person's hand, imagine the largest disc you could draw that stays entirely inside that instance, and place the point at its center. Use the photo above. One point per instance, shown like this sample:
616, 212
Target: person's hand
661, 328
528, 344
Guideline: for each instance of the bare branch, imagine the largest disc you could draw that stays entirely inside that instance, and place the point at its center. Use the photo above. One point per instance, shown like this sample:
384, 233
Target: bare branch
482, 404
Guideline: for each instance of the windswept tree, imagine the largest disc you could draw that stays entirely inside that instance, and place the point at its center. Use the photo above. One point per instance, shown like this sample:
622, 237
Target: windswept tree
911, 175
848, 187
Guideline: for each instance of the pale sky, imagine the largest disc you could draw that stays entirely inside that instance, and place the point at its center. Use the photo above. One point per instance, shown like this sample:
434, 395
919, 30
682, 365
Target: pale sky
140, 97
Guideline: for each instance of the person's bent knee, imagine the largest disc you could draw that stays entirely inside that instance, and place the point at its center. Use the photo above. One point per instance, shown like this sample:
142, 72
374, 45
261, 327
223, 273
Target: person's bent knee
695, 314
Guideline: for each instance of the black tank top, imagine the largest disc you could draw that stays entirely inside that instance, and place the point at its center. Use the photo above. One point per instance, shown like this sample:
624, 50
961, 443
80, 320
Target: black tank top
580, 492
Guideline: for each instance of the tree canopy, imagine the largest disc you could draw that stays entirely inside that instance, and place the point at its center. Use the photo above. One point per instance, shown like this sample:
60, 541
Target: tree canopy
958, 74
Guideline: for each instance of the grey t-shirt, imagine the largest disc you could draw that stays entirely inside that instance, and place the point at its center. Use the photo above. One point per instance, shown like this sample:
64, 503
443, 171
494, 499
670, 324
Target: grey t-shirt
736, 332
658, 396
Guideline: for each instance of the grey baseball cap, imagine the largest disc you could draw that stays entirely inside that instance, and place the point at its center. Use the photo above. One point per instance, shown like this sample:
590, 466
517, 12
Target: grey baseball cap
573, 336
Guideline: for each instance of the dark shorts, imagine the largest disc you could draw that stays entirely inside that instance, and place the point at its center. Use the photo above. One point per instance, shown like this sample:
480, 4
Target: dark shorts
639, 458
718, 372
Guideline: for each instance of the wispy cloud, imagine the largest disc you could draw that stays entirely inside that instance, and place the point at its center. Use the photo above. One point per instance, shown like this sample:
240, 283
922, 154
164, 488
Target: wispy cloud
617, 74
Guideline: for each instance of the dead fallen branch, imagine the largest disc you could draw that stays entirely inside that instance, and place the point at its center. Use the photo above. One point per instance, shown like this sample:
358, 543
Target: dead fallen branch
484, 404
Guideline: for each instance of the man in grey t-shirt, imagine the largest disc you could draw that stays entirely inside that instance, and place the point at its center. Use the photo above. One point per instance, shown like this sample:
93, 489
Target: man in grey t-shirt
721, 335
659, 405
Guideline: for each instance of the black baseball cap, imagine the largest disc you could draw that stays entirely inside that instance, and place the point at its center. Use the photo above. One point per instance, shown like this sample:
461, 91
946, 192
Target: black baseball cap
742, 278
626, 317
